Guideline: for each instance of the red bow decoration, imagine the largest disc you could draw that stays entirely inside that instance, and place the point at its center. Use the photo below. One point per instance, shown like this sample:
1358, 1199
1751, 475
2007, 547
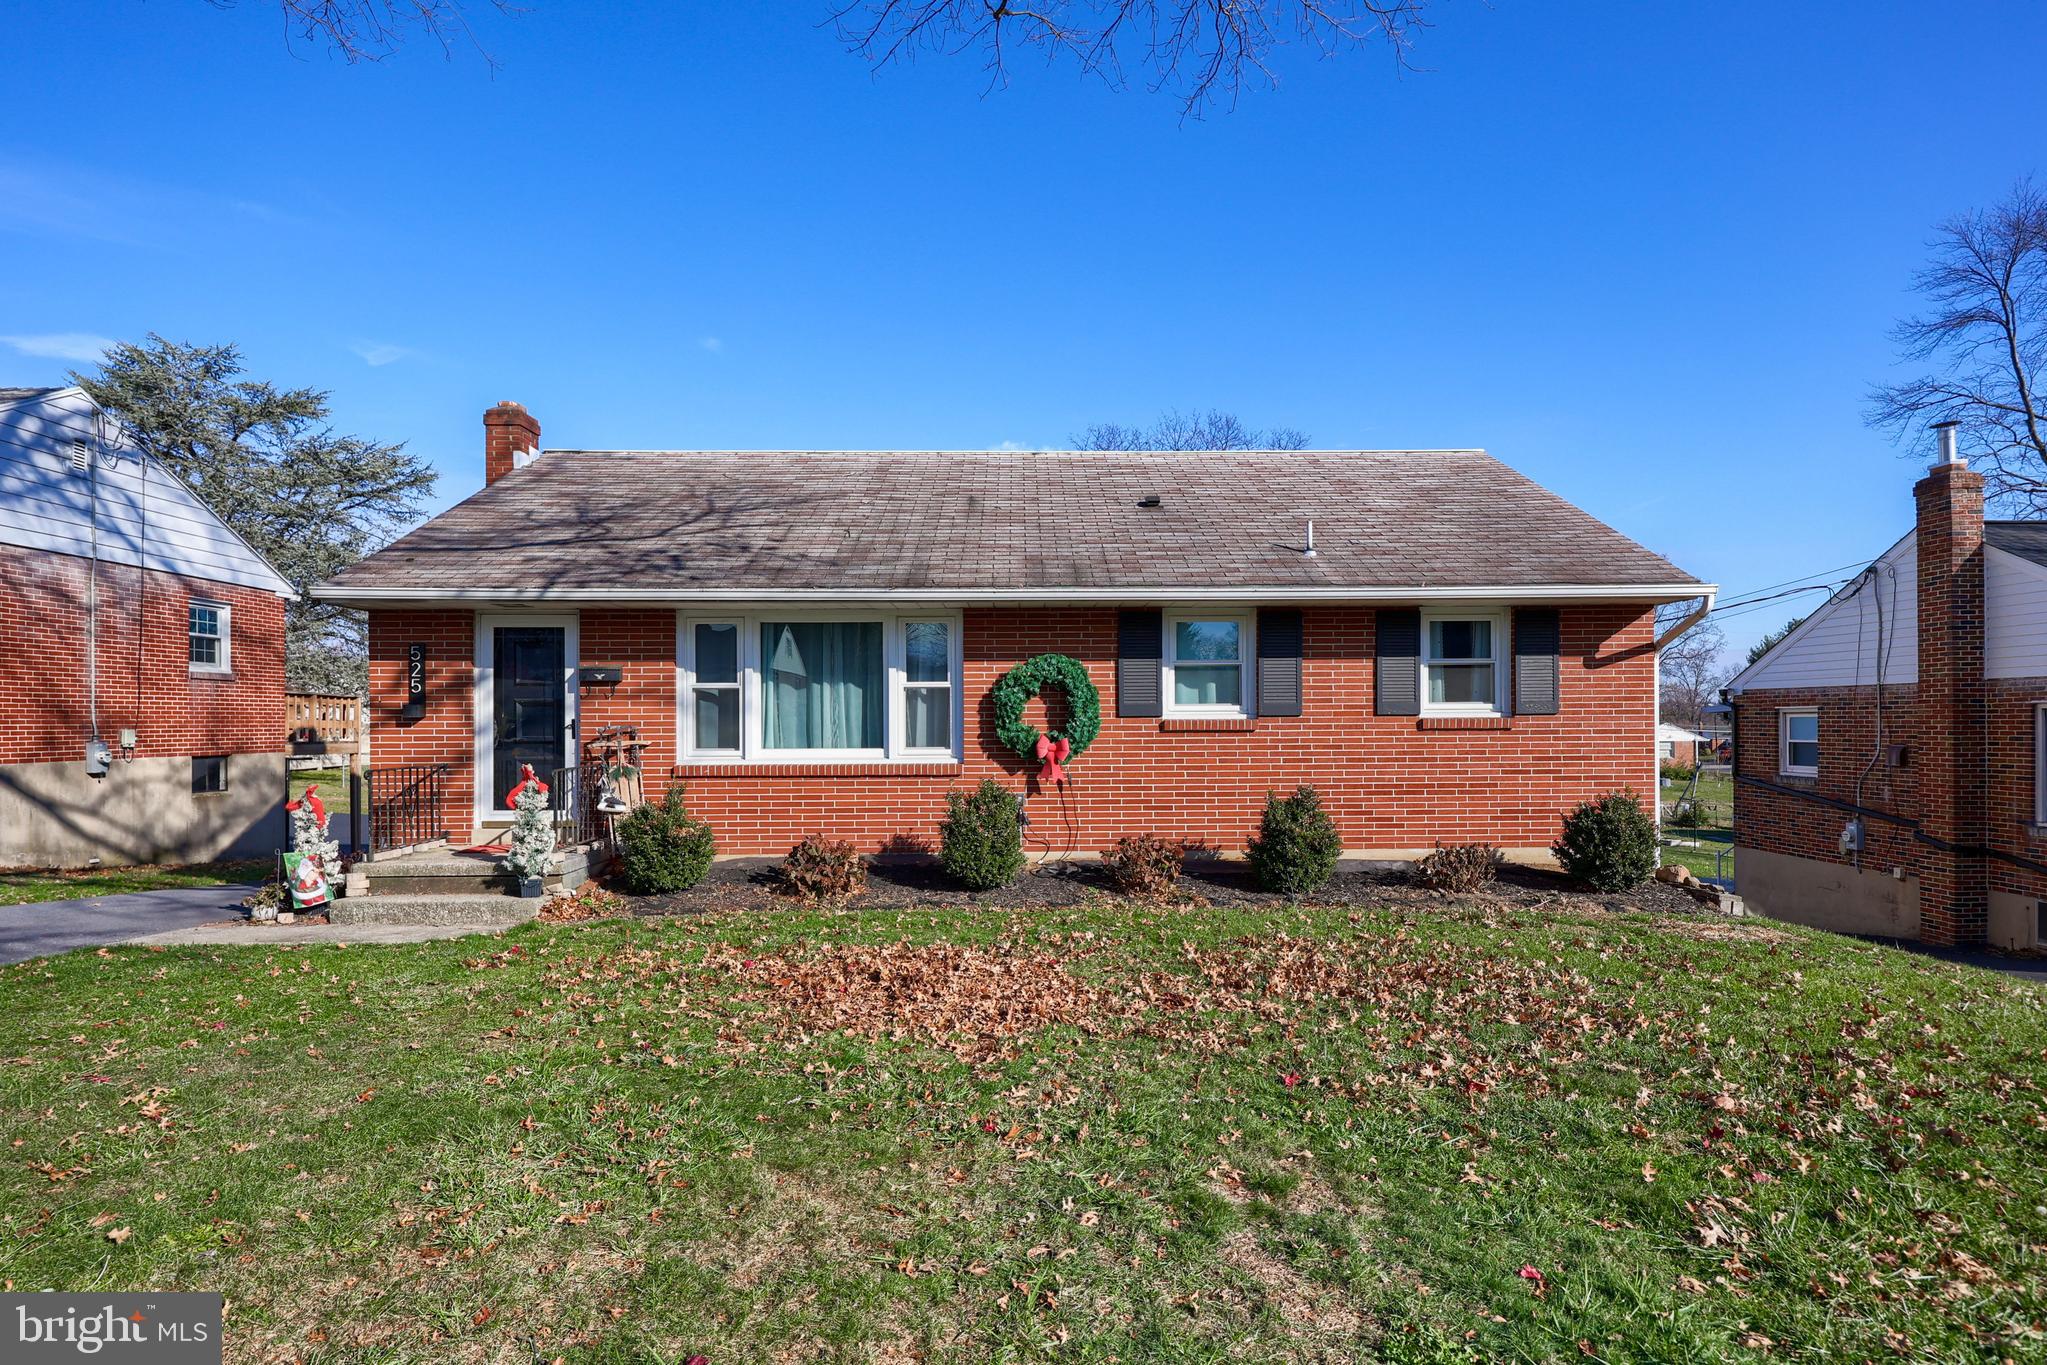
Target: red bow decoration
311, 798
525, 776
1052, 753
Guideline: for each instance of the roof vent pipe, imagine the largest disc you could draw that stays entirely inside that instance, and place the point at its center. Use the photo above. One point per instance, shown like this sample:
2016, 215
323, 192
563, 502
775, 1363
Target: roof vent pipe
1950, 452
1310, 551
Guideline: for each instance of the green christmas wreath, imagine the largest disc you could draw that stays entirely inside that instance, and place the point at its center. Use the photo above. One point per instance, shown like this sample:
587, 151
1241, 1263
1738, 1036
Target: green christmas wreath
1014, 690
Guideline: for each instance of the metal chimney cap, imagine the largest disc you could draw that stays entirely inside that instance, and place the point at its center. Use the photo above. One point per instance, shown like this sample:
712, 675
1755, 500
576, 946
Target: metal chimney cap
1950, 451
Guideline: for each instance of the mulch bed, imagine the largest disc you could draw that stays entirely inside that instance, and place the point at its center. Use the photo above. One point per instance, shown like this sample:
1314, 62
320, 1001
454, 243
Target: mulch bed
755, 884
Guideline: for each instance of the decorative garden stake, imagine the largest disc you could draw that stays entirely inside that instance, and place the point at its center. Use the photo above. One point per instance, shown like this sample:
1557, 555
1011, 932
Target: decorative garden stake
532, 854
1014, 690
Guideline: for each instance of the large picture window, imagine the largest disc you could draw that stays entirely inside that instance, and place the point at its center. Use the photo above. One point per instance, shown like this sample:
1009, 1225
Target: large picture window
1462, 672
783, 687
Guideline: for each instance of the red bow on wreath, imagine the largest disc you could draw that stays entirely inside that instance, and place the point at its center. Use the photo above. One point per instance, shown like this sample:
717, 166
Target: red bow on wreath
311, 798
1052, 753
525, 776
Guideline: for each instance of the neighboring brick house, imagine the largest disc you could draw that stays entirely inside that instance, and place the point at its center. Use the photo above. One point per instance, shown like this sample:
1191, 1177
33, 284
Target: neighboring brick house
809, 640
130, 614
1908, 714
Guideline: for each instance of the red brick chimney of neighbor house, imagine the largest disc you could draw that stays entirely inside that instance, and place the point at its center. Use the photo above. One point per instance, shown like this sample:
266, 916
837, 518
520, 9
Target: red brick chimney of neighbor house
511, 436
1953, 784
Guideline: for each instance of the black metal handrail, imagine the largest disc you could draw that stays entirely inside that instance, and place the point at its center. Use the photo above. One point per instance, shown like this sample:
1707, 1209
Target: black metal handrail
572, 795
408, 804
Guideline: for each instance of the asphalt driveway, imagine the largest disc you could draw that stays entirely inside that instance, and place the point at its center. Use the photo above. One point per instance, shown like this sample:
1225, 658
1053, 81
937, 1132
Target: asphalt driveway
45, 927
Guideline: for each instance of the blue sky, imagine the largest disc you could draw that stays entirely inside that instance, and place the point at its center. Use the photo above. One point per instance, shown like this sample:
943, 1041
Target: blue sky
1646, 254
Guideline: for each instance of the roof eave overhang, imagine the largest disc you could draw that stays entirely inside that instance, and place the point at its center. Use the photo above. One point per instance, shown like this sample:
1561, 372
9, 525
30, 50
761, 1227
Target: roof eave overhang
367, 597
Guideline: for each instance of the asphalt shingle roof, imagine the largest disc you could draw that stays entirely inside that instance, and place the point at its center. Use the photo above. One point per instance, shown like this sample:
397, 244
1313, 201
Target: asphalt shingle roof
577, 521
2027, 539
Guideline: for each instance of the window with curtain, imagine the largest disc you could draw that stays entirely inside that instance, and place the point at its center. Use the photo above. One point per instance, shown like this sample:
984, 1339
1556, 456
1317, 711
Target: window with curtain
714, 699
1461, 661
1205, 656
927, 685
824, 685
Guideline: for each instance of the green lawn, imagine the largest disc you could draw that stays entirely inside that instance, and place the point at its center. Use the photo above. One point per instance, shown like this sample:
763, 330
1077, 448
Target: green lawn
1105, 1132
333, 784
19, 888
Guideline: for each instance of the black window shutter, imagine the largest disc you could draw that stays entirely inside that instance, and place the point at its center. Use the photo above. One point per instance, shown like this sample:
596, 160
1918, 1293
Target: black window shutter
1140, 643
1398, 653
1279, 662
1538, 671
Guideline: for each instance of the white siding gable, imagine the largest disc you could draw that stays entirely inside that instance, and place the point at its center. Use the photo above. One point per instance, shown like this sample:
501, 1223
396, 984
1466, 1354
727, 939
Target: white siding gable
2015, 608
1837, 645
146, 516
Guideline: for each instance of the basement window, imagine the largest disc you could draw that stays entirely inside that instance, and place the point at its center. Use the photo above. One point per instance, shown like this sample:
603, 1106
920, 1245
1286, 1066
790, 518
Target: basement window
1798, 742
209, 774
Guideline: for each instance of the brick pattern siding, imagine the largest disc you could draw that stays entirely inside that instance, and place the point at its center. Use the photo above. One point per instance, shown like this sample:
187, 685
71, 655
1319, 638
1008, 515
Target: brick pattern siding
1965, 796
145, 681
1389, 781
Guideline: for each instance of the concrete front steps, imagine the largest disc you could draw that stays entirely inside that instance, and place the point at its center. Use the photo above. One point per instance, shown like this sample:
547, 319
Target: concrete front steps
449, 886
492, 910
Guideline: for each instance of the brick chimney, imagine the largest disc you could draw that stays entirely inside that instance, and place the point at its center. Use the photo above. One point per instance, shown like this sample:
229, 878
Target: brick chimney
1952, 780
511, 437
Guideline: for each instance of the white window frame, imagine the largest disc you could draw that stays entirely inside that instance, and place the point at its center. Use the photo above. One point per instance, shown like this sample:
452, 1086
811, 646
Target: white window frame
224, 618
1785, 767
899, 692
753, 750
1501, 661
686, 648
1247, 650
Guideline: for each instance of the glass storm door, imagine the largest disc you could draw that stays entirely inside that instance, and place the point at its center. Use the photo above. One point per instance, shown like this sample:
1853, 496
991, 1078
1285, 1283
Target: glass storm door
531, 720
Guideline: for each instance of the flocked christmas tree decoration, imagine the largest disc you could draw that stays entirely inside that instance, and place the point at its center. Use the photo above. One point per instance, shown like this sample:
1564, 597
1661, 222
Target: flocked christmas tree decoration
309, 830
532, 854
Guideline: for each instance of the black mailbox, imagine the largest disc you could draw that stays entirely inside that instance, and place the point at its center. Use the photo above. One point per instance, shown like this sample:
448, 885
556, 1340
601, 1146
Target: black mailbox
601, 675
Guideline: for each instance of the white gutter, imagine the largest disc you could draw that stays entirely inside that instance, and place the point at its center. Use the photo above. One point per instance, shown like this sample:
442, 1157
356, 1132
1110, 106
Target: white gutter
1519, 592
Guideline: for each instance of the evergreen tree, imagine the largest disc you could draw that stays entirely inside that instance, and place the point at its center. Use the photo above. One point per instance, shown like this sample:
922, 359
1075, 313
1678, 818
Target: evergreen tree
306, 498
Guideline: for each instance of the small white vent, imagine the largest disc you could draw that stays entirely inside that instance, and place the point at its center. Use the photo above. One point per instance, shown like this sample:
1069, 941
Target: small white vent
81, 457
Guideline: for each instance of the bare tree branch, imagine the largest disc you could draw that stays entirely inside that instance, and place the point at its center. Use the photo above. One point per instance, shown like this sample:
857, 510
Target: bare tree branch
1201, 50
1209, 430
1986, 334
371, 30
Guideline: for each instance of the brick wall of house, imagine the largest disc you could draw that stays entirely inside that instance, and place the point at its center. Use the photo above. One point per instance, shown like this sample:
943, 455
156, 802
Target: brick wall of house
1391, 782
1963, 802
145, 681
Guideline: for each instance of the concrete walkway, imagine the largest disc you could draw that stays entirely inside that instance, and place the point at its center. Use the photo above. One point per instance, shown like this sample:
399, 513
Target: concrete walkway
187, 916
45, 927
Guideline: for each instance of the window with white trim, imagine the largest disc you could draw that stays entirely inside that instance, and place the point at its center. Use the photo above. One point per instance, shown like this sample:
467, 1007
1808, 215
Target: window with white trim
1207, 664
927, 686
796, 687
713, 698
1463, 673
209, 636
209, 774
1798, 742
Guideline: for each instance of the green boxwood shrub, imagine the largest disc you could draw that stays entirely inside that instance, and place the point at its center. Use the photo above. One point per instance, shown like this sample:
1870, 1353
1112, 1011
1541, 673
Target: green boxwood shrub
663, 848
1608, 843
1297, 844
981, 841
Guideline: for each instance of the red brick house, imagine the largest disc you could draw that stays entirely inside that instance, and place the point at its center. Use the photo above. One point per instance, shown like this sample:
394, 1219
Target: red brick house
809, 640
131, 617
1889, 751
